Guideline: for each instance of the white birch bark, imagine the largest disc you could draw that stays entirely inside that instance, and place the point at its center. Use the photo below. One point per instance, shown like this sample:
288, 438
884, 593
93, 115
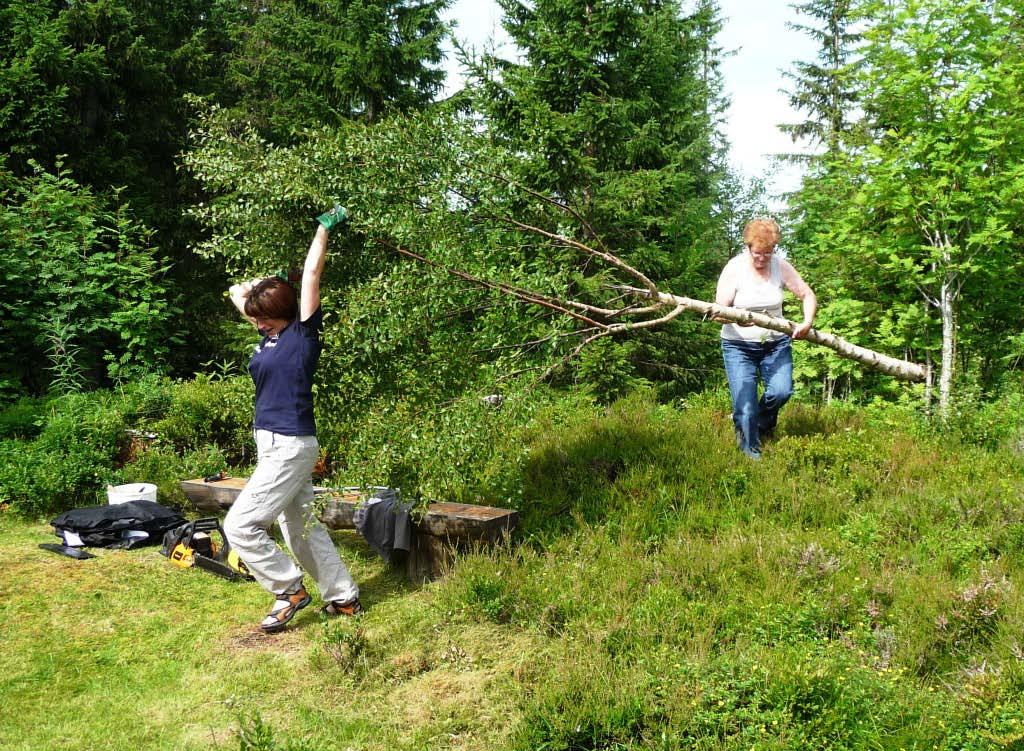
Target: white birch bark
907, 371
947, 310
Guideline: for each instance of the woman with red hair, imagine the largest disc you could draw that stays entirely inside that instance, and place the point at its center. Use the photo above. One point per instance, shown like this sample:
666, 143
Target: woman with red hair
754, 280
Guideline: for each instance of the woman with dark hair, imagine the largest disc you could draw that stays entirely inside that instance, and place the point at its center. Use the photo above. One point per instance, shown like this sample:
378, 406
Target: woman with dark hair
281, 487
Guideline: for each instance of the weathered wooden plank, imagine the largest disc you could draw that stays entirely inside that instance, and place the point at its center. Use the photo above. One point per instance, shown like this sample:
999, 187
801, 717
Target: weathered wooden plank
339, 513
217, 495
213, 496
441, 532
448, 520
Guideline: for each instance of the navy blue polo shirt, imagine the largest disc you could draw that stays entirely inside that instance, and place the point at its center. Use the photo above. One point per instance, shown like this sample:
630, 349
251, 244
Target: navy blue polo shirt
282, 368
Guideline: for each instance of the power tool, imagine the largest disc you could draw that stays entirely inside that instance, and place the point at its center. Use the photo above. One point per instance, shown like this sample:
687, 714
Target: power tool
191, 545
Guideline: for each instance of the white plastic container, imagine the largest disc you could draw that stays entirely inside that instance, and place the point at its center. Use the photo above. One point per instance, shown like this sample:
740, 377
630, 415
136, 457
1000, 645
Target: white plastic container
137, 491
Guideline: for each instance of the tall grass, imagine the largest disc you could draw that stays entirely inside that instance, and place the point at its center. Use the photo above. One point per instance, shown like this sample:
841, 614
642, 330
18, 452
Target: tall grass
856, 589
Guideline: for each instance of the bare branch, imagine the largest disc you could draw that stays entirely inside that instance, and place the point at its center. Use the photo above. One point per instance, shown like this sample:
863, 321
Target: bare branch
571, 356
617, 327
606, 257
933, 301
533, 298
551, 201
528, 345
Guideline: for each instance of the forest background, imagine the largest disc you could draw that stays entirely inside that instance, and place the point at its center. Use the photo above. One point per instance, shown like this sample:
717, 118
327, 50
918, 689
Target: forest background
153, 153
856, 589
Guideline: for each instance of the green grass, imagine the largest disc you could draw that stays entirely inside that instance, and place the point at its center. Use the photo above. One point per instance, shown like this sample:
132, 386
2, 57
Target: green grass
859, 588
126, 651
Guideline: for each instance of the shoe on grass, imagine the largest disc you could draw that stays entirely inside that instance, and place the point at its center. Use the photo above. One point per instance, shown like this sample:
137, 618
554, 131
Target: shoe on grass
333, 218
336, 608
285, 607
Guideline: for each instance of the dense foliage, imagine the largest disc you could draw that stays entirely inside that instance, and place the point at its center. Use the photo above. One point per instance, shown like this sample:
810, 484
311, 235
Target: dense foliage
912, 215
84, 294
603, 128
99, 92
298, 64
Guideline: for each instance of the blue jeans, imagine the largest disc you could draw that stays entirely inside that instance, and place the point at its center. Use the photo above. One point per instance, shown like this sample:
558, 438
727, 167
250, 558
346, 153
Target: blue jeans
744, 362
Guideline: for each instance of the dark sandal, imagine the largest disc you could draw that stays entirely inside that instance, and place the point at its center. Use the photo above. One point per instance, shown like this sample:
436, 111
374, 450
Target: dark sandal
335, 608
280, 614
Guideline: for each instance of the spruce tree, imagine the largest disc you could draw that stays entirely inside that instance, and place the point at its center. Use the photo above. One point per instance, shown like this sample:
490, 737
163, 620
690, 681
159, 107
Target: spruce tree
823, 88
305, 63
613, 110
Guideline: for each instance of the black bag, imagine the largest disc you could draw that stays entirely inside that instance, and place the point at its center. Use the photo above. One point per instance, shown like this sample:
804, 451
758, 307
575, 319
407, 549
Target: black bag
106, 526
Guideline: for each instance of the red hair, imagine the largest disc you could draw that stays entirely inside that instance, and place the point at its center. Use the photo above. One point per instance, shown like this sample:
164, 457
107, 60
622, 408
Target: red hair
764, 232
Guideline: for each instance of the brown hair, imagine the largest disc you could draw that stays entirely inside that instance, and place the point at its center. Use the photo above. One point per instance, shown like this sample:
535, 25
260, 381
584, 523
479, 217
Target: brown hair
762, 231
272, 298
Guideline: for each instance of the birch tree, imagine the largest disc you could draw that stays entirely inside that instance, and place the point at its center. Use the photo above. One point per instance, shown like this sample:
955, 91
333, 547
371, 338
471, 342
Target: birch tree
940, 181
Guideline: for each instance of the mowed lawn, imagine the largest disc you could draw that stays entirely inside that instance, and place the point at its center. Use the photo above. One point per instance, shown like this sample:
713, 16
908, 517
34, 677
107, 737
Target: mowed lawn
126, 651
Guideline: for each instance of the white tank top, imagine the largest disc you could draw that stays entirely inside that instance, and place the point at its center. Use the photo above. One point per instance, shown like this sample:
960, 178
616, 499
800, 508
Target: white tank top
757, 294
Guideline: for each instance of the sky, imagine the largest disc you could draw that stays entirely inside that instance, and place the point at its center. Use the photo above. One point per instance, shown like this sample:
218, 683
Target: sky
755, 31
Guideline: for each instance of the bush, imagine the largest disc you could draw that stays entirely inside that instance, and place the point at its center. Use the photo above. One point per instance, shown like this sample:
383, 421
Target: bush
165, 468
23, 419
84, 296
992, 424
205, 412
69, 463
466, 451
146, 399
81, 440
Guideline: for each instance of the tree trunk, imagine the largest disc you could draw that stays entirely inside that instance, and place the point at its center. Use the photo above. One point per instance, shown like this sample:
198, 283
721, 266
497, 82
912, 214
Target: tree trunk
892, 366
947, 309
929, 383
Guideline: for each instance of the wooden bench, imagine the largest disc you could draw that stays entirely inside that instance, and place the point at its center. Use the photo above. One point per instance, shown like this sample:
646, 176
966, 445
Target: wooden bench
438, 534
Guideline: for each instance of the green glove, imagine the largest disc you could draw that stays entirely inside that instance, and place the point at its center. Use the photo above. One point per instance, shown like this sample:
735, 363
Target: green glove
333, 217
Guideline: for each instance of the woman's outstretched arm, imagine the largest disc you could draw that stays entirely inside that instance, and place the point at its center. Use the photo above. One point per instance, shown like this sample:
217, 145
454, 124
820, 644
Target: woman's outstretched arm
311, 271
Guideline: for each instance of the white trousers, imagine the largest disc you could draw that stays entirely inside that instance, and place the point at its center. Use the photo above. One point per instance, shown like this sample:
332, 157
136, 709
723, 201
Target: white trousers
281, 489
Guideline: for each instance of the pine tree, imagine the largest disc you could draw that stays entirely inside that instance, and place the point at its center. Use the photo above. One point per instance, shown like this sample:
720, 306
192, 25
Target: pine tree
823, 88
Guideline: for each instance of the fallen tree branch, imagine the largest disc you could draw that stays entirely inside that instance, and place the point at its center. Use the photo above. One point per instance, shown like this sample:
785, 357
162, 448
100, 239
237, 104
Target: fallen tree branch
657, 302
902, 369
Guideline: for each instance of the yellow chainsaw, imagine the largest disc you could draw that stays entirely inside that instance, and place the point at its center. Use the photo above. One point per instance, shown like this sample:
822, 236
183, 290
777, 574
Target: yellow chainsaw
191, 545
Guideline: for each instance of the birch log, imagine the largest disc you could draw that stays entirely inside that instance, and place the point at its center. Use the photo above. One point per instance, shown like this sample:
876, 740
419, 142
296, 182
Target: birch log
902, 369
